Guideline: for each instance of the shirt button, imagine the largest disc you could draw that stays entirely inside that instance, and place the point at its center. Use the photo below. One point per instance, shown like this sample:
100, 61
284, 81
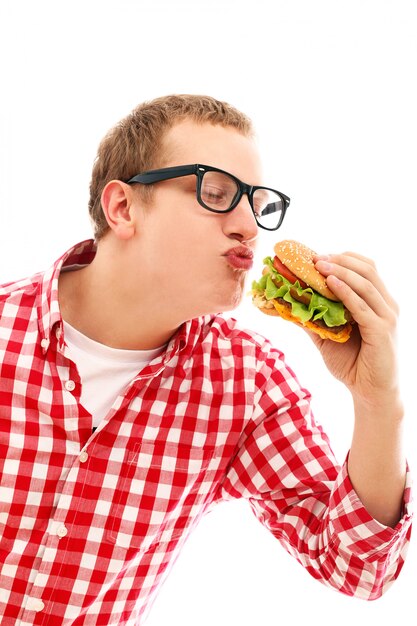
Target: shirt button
45, 343
62, 531
69, 385
83, 457
35, 604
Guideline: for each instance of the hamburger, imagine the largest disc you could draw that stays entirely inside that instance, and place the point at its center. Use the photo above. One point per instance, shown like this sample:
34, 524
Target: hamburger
292, 288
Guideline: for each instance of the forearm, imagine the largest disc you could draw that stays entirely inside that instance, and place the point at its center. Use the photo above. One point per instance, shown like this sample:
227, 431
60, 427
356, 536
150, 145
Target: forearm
376, 464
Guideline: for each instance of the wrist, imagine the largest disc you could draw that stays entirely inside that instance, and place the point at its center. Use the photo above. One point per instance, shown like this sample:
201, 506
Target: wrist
379, 407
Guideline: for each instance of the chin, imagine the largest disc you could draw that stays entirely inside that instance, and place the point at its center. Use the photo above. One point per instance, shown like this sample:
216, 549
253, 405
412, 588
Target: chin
231, 298
223, 295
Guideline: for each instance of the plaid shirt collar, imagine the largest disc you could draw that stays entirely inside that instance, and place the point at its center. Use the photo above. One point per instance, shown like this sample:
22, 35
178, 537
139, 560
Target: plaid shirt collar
49, 314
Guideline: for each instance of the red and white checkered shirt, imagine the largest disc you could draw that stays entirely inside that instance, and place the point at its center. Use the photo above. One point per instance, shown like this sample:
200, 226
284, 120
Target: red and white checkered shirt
91, 522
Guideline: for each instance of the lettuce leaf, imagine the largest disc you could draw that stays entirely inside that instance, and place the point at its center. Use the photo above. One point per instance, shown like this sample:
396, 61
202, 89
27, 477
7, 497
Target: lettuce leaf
332, 313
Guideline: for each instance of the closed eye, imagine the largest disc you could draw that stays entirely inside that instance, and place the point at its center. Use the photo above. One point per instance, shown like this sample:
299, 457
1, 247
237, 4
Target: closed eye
213, 195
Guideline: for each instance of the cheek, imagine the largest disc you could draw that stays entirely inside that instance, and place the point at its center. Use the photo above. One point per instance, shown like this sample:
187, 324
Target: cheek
190, 235
184, 237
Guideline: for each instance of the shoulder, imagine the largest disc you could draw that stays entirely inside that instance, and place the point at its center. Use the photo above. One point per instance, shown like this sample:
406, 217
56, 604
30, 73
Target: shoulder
231, 329
230, 333
16, 293
264, 367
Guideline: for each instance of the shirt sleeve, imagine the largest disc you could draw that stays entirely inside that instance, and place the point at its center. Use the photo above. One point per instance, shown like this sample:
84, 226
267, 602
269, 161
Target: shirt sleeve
285, 467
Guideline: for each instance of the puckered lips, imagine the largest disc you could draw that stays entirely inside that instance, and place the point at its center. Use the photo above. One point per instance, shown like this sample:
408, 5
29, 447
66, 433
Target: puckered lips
240, 258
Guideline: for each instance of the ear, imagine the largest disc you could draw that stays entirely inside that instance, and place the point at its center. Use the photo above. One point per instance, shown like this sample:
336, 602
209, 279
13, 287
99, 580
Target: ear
116, 200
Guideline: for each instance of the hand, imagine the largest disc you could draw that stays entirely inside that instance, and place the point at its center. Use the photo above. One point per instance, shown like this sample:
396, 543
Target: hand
367, 362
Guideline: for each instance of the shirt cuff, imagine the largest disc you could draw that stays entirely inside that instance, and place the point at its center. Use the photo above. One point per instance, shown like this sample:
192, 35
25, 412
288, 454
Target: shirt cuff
357, 530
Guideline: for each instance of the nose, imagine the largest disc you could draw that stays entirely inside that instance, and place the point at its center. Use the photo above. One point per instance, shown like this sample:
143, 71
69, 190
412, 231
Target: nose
240, 223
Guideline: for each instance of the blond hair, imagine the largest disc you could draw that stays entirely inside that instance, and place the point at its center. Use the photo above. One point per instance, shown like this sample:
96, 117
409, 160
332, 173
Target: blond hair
134, 145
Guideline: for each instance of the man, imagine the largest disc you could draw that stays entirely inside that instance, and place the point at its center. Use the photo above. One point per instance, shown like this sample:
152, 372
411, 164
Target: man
129, 407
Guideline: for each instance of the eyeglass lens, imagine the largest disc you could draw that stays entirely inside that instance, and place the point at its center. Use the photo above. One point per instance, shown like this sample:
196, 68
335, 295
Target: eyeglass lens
218, 192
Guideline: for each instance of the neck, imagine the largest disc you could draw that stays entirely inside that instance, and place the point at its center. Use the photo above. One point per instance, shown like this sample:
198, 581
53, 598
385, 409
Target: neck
100, 302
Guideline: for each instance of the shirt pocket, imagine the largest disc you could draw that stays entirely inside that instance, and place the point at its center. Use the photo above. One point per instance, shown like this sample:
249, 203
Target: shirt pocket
159, 492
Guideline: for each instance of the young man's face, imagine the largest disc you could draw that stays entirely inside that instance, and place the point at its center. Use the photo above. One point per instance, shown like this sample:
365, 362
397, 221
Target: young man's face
185, 247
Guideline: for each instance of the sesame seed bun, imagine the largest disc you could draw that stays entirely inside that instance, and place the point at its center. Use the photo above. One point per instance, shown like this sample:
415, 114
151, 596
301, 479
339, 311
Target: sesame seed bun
299, 260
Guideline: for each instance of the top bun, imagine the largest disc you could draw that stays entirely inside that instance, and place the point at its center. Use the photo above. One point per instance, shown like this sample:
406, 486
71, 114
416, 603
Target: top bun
299, 260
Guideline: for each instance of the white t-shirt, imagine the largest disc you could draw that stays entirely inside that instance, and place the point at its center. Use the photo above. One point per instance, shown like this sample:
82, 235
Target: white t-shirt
104, 371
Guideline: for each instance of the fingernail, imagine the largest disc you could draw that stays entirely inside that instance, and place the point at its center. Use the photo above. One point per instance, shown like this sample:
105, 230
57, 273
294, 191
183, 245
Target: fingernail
323, 265
337, 282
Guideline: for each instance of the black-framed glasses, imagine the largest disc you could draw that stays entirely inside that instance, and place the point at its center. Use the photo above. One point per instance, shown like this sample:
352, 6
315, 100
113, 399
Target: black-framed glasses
220, 192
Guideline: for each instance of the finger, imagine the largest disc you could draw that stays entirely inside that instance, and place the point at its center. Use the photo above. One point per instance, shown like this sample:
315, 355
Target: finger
361, 274
355, 255
357, 293
361, 265
365, 267
364, 308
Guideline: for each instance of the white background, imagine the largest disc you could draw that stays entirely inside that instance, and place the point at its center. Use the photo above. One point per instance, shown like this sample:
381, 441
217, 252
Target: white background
330, 86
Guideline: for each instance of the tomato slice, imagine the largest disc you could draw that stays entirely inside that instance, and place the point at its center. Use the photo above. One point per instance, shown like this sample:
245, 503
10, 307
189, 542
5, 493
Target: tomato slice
284, 271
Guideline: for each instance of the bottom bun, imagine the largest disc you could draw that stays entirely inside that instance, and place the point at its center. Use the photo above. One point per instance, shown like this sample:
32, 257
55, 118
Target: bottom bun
284, 311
